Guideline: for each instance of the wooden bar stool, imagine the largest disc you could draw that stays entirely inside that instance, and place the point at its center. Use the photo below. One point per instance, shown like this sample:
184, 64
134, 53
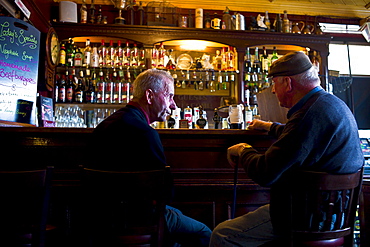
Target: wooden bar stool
24, 207
323, 209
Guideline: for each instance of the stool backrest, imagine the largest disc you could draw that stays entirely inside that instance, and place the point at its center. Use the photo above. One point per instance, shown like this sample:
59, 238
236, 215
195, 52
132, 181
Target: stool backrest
324, 205
123, 208
24, 207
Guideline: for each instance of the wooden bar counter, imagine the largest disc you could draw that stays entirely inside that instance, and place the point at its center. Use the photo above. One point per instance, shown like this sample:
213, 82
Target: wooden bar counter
203, 178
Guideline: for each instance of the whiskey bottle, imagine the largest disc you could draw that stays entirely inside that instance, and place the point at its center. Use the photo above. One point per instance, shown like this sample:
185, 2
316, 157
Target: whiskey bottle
92, 12
87, 54
83, 12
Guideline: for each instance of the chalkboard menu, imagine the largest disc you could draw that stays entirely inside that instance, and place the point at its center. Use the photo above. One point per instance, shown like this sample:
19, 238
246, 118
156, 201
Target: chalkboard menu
19, 61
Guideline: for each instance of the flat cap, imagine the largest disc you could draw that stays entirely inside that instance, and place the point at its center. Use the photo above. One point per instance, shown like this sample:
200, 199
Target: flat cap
292, 63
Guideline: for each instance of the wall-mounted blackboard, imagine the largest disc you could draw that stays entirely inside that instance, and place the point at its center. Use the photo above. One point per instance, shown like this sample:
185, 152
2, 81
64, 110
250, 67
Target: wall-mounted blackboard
19, 61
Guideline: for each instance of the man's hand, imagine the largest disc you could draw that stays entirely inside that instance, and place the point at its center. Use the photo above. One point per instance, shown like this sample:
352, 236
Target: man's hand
234, 152
260, 125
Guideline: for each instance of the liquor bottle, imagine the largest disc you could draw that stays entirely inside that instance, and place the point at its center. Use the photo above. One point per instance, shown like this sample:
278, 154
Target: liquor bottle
248, 115
194, 80
62, 55
161, 55
118, 55
207, 21
79, 92
109, 87
247, 61
219, 81
87, 54
212, 84
286, 25
99, 16
90, 96
70, 53
92, 12
225, 82
267, 21
83, 12
224, 64
69, 88
56, 88
110, 54
188, 115
141, 13
274, 55
256, 62
265, 61
62, 90
100, 94
134, 56
278, 24
78, 57
230, 57
154, 60
226, 18
190, 19
95, 58
117, 88
142, 58
126, 55
102, 51
201, 83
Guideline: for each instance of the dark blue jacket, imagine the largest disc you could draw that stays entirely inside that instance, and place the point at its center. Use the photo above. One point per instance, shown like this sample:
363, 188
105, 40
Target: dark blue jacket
321, 135
126, 142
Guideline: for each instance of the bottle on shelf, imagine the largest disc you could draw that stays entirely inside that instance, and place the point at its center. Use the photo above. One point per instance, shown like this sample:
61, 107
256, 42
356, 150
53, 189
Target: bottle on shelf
87, 54
225, 82
230, 59
278, 24
109, 87
212, 84
99, 16
274, 56
154, 59
62, 55
92, 13
142, 58
117, 88
70, 52
78, 57
226, 18
118, 55
70, 87
100, 94
134, 56
286, 23
83, 12
207, 21
248, 115
90, 95
126, 60
110, 54
79, 92
171, 65
267, 21
102, 51
95, 58
265, 61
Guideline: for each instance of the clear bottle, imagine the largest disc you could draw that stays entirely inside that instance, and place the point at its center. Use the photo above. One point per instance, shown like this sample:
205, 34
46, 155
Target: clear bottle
117, 88
248, 115
95, 58
87, 54
212, 84
109, 87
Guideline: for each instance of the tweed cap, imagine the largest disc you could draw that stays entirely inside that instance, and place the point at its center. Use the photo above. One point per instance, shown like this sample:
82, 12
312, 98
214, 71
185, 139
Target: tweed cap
292, 63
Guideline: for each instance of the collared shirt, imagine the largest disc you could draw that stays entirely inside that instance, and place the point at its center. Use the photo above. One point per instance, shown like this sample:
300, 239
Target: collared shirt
300, 103
135, 104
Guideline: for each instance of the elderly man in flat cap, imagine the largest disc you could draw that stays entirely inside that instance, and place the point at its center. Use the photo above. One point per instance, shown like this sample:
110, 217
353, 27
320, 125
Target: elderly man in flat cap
320, 134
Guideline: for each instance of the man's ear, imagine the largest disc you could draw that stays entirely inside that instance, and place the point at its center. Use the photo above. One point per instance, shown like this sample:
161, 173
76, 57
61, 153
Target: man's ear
149, 95
288, 84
